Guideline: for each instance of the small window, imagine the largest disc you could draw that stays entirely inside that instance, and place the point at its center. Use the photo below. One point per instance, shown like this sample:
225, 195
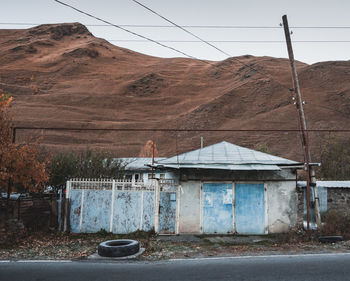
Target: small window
162, 176
149, 176
128, 177
137, 177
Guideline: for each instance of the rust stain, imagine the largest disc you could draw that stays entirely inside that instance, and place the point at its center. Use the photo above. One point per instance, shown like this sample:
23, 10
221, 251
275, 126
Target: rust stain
77, 211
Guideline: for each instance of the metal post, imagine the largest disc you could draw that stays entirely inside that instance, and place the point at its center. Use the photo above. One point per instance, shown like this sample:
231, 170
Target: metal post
302, 121
152, 159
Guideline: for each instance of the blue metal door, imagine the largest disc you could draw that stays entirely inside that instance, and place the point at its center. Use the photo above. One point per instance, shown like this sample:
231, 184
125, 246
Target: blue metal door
167, 212
217, 208
249, 208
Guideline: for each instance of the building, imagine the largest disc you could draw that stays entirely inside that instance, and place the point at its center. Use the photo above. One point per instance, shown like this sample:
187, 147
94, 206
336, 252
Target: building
225, 188
219, 189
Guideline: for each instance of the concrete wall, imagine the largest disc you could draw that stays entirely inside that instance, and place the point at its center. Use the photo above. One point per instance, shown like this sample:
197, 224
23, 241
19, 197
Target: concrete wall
190, 207
282, 206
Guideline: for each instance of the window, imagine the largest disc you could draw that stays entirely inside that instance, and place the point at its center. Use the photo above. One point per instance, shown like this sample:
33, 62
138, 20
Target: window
162, 176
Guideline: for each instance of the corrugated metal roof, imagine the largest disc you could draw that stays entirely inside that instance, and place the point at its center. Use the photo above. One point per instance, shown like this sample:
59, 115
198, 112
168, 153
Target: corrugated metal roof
139, 163
248, 167
328, 184
225, 153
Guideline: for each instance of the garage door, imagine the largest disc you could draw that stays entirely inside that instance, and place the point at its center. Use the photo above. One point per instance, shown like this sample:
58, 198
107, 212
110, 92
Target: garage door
249, 208
217, 208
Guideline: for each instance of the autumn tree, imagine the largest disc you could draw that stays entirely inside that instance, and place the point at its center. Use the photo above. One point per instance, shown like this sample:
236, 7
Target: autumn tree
149, 150
20, 167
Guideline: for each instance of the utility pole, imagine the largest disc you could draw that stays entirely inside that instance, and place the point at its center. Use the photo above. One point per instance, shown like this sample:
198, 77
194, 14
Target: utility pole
304, 135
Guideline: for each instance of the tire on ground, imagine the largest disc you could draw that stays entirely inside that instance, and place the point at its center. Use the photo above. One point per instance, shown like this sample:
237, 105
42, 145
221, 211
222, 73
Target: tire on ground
118, 248
330, 239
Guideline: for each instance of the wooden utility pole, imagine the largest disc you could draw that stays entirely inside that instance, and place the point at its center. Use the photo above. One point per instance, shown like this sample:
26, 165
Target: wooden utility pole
302, 122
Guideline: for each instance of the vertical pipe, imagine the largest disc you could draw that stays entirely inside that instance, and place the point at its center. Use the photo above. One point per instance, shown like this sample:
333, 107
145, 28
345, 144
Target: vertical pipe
81, 210
65, 226
201, 208
59, 211
152, 159
112, 207
141, 212
156, 205
233, 208
178, 194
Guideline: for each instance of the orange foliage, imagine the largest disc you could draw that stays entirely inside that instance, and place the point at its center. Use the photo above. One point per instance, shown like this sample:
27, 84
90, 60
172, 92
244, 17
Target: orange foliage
147, 150
19, 163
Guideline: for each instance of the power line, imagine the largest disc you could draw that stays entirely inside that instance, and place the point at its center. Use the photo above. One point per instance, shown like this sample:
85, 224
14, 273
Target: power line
191, 26
208, 43
176, 130
156, 42
183, 29
122, 28
232, 41
136, 34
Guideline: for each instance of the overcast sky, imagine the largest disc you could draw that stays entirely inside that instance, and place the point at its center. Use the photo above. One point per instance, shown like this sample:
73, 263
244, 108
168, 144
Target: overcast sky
301, 13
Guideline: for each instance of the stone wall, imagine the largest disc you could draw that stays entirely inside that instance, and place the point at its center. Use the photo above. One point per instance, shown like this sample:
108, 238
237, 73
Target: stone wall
339, 199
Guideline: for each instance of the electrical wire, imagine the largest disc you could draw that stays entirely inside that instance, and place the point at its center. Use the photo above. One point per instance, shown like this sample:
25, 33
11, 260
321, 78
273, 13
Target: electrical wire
127, 30
192, 26
211, 45
156, 42
177, 130
232, 41
183, 29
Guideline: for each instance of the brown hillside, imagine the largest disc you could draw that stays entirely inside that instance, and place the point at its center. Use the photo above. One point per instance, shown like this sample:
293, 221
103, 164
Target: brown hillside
62, 76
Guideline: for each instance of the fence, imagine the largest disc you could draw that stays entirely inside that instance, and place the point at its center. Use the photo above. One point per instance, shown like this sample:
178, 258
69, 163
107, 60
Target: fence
120, 206
37, 211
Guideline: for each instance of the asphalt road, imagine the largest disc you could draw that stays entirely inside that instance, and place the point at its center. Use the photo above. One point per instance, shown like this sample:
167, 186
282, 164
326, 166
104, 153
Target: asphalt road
299, 267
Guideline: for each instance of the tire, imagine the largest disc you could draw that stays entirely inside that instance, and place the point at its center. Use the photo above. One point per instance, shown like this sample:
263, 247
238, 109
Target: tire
118, 248
330, 239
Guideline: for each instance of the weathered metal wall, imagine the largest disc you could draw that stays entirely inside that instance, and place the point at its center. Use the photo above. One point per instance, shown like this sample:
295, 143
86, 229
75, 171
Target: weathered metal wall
127, 210
217, 208
148, 211
118, 211
190, 208
96, 211
75, 210
250, 208
167, 212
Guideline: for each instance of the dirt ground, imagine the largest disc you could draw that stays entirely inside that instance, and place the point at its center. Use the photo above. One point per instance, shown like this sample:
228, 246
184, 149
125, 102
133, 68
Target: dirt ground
79, 246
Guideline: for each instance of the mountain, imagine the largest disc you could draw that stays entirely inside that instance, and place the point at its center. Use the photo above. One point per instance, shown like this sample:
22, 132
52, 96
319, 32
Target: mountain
60, 75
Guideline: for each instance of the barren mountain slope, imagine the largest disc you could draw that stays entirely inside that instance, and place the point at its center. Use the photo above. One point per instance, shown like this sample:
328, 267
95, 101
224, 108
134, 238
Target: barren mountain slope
62, 76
